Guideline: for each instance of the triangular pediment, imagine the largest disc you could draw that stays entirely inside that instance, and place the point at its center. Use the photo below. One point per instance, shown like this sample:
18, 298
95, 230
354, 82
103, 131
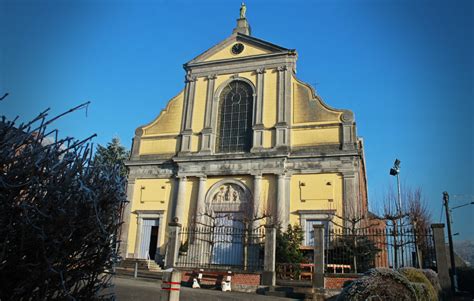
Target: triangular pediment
252, 47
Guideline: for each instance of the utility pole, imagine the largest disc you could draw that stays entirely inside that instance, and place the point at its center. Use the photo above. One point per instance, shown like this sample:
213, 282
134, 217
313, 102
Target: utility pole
454, 282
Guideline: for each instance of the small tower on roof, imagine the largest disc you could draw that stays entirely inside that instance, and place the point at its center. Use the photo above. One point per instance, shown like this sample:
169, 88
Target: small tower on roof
242, 24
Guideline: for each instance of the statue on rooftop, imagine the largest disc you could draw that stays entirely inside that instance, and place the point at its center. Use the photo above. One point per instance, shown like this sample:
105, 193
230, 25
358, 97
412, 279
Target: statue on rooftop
243, 9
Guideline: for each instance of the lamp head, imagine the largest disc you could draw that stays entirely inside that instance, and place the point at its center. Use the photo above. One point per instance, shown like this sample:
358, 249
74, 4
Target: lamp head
395, 170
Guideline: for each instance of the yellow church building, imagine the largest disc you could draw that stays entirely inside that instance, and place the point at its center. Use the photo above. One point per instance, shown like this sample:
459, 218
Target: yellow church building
245, 137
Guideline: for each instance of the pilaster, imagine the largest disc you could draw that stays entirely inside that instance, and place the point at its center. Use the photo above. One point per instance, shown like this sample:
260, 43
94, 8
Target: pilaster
350, 195
258, 112
187, 132
208, 136
283, 109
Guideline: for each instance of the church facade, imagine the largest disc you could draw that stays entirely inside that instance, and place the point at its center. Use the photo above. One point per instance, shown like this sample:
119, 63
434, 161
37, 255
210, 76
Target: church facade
244, 137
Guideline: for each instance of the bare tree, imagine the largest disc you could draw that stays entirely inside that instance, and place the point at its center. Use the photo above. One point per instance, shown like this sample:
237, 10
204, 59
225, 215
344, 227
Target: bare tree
59, 214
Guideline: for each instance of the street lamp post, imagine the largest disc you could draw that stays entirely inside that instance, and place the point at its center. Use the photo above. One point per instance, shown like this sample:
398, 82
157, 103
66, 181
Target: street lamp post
395, 171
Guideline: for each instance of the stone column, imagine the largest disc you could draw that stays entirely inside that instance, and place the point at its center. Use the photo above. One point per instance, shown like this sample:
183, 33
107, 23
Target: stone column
257, 206
187, 131
281, 214
172, 249
126, 219
201, 205
441, 258
269, 274
318, 276
138, 239
180, 199
207, 143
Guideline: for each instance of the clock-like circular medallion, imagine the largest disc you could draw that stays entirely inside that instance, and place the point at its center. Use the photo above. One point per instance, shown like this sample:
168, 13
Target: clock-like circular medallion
237, 48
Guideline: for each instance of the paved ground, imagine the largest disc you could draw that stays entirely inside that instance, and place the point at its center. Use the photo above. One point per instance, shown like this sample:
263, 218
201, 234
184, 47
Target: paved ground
132, 289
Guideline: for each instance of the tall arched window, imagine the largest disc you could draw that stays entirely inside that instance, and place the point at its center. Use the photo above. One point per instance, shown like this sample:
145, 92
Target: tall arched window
235, 118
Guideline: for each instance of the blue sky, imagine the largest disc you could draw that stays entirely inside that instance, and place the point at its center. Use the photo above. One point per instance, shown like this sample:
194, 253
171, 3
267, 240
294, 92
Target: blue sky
404, 67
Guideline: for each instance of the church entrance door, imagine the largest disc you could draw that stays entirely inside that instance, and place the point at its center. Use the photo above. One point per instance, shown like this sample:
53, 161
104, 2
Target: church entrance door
228, 240
149, 238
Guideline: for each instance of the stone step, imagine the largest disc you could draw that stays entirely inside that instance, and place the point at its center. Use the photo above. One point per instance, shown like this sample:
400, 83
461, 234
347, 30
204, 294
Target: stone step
127, 272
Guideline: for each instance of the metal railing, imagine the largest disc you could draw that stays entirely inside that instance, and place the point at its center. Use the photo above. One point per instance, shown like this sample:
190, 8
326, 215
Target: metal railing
222, 247
368, 248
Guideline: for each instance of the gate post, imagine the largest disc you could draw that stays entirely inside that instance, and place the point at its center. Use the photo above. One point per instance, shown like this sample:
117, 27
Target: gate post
441, 258
318, 272
269, 276
172, 249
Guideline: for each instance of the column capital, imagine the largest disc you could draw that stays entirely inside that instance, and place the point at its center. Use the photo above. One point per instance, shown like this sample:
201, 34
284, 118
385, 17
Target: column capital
211, 77
202, 178
282, 68
261, 70
190, 78
257, 176
182, 178
348, 174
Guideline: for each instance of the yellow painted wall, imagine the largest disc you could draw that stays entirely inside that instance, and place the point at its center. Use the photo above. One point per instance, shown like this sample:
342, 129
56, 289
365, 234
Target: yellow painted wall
307, 137
308, 108
158, 145
199, 109
226, 53
270, 100
157, 195
319, 192
269, 190
268, 138
169, 120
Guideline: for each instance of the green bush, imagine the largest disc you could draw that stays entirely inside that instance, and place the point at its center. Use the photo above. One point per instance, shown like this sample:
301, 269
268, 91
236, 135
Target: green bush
288, 245
379, 284
424, 292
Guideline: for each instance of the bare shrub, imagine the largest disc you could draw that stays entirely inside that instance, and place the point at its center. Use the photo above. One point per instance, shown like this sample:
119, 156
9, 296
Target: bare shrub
59, 215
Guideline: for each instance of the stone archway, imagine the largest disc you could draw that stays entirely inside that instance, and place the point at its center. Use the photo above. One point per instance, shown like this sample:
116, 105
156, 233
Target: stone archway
230, 196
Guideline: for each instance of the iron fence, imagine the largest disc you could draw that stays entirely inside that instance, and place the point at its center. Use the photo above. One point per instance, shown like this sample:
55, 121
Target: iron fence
221, 247
362, 249
391, 247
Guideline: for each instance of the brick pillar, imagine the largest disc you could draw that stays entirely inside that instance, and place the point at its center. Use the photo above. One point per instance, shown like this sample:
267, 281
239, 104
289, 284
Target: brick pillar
172, 249
441, 257
318, 272
269, 275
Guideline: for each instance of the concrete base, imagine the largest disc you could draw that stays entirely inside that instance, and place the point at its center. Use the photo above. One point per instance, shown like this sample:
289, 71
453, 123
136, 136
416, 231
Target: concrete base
319, 294
268, 278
